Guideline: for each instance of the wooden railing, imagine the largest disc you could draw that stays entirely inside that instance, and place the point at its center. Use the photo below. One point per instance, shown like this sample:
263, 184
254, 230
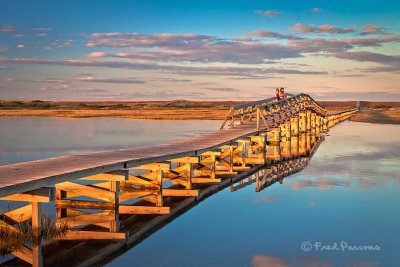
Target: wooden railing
269, 112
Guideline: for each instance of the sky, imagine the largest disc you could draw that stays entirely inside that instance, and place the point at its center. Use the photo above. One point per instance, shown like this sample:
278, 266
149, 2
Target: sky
199, 50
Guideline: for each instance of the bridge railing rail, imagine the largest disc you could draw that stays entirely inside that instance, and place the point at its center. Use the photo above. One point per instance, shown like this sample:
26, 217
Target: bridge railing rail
270, 111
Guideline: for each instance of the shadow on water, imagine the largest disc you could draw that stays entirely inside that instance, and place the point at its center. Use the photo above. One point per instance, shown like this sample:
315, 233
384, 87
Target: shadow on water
87, 235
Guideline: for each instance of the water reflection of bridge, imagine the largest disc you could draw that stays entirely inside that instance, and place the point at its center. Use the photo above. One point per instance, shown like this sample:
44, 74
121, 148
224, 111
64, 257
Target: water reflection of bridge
112, 200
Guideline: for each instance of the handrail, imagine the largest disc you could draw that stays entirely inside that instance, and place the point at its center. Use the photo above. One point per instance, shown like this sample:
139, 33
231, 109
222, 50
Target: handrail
268, 108
258, 102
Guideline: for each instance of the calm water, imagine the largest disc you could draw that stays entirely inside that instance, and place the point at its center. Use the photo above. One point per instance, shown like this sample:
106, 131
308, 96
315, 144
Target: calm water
30, 138
349, 195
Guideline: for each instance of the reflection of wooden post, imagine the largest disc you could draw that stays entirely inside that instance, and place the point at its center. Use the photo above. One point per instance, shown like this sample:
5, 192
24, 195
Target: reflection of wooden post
37, 255
294, 142
303, 145
308, 141
277, 152
325, 122
286, 148
302, 122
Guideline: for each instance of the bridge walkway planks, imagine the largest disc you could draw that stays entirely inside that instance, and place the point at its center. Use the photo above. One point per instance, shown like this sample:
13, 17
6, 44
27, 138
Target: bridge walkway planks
26, 176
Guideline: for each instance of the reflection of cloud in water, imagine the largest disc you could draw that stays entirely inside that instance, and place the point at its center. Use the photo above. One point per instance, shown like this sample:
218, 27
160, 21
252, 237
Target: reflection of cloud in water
312, 203
302, 261
266, 199
267, 261
360, 263
322, 184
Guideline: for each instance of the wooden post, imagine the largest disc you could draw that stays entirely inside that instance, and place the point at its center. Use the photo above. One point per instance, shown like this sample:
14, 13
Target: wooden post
308, 114
313, 121
302, 122
294, 125
159, 201
36, 218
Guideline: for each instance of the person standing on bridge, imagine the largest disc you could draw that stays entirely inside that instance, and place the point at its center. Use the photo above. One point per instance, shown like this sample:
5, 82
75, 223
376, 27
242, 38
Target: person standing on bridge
277, 94
282, 95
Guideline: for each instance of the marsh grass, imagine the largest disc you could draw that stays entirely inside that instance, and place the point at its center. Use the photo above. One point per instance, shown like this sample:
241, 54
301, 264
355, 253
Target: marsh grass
22, 234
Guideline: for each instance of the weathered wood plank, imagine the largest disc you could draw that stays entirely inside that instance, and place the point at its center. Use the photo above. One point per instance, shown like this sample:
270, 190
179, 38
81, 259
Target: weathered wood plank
143, 210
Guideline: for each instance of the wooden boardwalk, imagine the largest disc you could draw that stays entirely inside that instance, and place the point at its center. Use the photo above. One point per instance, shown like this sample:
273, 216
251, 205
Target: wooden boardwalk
26, 176
139, 189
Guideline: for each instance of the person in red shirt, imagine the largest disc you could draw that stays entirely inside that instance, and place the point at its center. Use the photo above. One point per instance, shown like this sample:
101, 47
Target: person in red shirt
277, 94
282, 95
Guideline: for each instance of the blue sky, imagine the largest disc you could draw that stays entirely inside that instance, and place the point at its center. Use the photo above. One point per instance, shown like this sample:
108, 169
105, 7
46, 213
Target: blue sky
142, 50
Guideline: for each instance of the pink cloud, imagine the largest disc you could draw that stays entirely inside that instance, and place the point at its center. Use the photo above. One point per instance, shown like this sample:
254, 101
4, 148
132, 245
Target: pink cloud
373, 29
269, 13
185, 70
117, 39
7, 28
109, 80
320, 29
271, 34
97, 54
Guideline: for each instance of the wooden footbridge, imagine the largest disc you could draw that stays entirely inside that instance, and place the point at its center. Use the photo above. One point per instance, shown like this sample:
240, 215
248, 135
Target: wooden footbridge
137, 190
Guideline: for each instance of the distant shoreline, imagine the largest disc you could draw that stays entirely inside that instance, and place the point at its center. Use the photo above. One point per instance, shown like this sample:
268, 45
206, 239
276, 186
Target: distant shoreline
376, 112
383, 116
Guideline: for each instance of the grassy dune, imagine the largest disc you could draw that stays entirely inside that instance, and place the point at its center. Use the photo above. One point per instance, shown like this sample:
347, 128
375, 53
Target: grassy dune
377, 112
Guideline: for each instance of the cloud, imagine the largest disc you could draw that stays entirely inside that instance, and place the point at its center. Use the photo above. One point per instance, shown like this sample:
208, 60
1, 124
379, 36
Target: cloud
369, 29
185, 70
274, 261
222, 89
109, 80
59, 44
3, 48
174, 80
42, 29
97, 54
50, 84
266, 199
268, 13
236, 52
271, 34
7, 28
95, 90
118, 39
317, 45
320, 29
9, 79
20, 46
389, 63
267, 261
316, 9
